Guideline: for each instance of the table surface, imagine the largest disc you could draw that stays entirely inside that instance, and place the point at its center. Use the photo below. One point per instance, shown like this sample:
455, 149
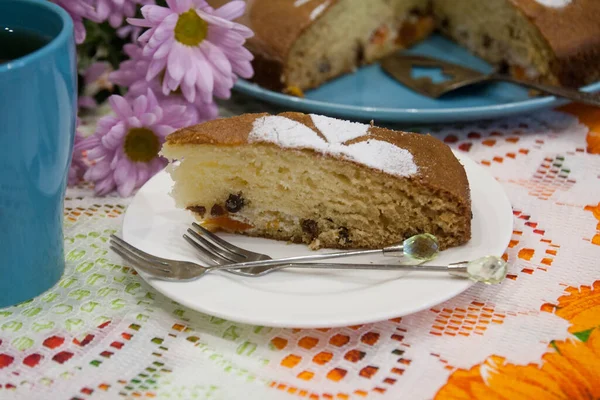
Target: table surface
103, 333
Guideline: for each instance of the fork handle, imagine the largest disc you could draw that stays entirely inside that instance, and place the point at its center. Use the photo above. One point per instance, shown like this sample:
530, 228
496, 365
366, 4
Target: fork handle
397, 251
455, 269
372, 267
567, 93
298, 259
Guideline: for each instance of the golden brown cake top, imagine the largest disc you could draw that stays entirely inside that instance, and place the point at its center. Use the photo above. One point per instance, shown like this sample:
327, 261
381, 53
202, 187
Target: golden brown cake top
275, 39
569, 26
278, 23
414, 156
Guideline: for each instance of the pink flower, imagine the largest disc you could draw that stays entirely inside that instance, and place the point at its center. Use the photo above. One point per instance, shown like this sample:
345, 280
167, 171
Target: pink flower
78, 165
78, 10
114, 11
124, 150
133, 69
131, 74
129, 31
195, 112
196, 48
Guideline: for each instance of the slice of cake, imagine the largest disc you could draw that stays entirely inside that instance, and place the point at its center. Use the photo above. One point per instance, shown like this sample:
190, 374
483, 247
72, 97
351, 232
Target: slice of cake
320, 181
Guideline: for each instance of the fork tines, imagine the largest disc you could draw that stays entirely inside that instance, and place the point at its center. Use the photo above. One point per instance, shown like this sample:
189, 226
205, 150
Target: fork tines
140, 259
214, 248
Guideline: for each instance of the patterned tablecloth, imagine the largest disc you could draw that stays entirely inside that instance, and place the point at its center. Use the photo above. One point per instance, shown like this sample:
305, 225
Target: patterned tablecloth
103, 333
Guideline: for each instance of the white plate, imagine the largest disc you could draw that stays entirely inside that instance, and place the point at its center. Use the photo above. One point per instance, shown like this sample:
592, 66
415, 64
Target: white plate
317, 298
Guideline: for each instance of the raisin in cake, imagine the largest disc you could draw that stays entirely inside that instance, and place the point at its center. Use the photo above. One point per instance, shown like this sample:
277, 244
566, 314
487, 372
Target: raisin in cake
300, 44
318, 180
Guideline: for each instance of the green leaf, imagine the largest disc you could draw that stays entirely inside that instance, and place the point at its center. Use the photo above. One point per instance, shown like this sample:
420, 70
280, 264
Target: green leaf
584, 335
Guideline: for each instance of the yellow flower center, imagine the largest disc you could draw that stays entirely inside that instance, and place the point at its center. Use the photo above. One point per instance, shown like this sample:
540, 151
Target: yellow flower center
141, 145
191, 30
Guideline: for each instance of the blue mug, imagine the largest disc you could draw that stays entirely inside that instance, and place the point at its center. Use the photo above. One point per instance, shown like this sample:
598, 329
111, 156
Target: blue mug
37, 126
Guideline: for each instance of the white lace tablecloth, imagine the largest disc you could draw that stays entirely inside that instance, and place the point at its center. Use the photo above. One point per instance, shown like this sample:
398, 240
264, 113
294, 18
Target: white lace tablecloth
103, 333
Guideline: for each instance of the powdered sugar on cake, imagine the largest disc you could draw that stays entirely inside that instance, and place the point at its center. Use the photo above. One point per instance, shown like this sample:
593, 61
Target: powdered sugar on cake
318, 10
298, 3
555, 3
383, 156
286, 133
337, 130
373, 153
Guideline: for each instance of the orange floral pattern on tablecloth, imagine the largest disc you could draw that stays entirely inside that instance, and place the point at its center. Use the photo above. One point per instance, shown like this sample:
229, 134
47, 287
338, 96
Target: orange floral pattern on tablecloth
589, 116
569, 370
581, 307
595, 209
596, 212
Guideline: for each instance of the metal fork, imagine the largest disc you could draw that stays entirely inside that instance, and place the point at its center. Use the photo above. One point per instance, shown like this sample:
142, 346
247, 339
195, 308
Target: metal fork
422, 247
487, 269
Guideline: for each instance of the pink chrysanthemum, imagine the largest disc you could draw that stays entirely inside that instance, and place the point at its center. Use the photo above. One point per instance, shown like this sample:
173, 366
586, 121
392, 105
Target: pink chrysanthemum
133, 69
78, 165
131, 74
124, 150
195, 112
114, 11
196, 48
129, 31
78, 10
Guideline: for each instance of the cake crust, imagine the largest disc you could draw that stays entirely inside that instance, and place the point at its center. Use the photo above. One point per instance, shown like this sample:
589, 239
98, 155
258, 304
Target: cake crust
437, 166
273, 41
573, 34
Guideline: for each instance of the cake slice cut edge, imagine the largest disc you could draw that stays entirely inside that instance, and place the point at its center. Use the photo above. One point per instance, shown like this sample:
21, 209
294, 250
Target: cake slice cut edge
319, 181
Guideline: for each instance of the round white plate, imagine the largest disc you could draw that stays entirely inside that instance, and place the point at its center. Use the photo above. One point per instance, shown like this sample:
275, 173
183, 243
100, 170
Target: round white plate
312, 298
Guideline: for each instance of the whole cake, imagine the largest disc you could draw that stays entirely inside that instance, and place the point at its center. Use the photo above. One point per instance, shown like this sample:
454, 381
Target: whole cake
319, 180
299, 44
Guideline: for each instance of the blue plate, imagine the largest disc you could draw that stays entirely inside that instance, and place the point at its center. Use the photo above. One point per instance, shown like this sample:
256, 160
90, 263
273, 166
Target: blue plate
371, 94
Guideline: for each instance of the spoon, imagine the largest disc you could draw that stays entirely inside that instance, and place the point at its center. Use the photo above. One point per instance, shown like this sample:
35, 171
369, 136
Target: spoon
400, 65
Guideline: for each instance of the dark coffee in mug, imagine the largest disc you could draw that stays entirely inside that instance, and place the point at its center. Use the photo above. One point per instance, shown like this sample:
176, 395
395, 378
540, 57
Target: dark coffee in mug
16, 43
